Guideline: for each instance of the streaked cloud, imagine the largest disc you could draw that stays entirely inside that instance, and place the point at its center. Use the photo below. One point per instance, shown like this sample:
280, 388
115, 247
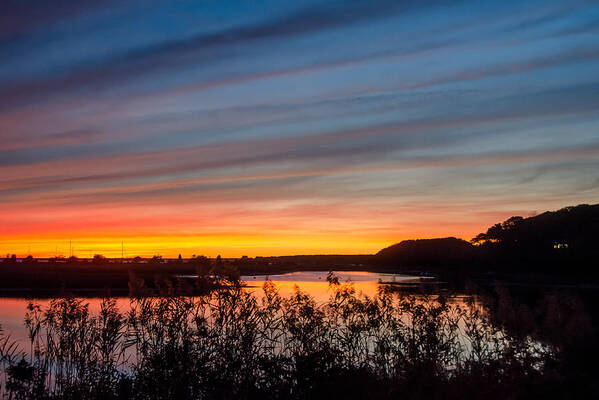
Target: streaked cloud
343, 121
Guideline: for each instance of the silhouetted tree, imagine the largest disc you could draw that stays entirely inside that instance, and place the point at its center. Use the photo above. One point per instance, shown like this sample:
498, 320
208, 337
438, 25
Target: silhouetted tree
506, 232
99, 259
201, 262
157, 259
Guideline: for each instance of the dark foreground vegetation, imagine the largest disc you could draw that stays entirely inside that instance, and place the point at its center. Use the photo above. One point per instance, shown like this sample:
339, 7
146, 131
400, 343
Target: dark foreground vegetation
228, 343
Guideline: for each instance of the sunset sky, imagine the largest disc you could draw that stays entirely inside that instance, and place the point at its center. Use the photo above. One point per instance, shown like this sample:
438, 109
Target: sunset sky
289, 127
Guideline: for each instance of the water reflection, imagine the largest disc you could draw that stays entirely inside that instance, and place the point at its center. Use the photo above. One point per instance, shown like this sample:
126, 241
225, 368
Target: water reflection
313, 283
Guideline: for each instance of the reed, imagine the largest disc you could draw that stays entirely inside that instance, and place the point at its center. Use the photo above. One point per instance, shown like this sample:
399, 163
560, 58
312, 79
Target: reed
229, 343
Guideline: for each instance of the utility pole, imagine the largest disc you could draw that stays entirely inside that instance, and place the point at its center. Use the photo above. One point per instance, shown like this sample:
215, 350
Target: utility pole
122, 251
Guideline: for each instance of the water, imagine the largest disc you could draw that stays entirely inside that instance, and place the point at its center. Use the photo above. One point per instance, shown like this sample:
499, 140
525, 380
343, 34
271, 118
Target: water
376, 334
315, 282
12, 310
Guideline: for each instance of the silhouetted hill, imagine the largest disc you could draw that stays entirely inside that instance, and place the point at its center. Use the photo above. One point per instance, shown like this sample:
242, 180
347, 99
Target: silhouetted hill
573, 228
428, 253
554, 241
561, 244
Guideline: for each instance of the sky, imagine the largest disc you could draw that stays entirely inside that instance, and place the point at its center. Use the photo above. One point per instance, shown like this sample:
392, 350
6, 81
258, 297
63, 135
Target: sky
289, 127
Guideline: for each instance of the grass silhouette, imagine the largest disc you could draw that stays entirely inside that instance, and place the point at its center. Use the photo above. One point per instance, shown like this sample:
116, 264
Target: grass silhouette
229, 343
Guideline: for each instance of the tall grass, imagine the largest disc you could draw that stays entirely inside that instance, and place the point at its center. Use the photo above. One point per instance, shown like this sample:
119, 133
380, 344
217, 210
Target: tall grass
229, 343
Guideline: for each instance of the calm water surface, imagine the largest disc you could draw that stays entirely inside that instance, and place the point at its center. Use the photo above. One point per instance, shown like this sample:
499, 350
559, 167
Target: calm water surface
12, 310
315, 282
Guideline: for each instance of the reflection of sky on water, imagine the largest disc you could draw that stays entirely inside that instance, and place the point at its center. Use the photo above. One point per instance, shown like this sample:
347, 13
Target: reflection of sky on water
12, 310
315, 282
318, 276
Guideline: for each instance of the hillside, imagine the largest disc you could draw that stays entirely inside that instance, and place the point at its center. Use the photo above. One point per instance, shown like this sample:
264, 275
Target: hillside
428, 253
573, 228
555, 242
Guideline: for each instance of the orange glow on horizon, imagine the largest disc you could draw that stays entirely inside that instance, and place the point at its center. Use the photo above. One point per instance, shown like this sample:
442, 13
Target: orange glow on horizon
231, 228
170, 246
